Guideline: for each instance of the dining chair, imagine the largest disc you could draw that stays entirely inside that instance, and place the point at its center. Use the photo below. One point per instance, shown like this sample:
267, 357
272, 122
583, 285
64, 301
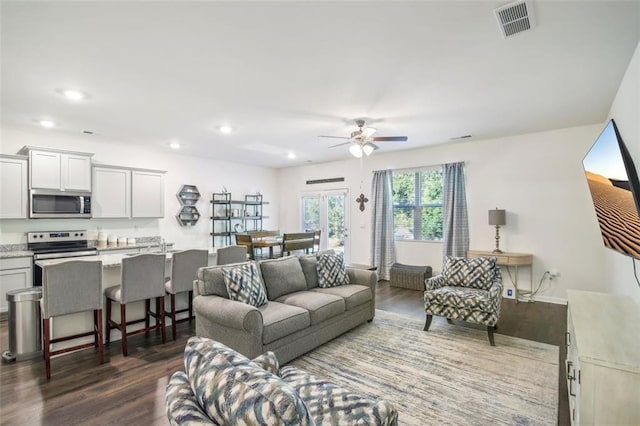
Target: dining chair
70, 287
302, 241
231, 254
247, 241
184, 270
142, 278
316, 241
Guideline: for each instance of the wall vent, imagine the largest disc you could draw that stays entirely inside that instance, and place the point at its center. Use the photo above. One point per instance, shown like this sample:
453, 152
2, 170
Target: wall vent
515, 18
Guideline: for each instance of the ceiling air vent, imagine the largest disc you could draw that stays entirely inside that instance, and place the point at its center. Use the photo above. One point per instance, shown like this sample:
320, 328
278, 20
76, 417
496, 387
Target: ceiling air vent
514, 18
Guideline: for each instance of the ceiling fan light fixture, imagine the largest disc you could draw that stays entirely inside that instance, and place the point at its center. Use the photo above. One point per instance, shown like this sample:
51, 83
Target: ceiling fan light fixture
368, 148
368, 132
356, 150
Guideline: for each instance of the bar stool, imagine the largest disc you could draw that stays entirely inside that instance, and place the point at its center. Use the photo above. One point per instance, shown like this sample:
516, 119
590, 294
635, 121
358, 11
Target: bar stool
184, 270
142, 279
231, 254
70, 287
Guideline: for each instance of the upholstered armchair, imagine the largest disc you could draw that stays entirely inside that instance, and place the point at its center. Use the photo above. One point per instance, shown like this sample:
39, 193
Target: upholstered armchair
467, 289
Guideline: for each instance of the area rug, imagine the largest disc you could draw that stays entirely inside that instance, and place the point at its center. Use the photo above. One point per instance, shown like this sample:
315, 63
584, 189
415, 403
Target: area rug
448, 375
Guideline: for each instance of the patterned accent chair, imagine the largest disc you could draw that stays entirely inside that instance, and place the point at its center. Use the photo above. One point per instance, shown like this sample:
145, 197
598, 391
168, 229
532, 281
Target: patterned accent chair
467, 289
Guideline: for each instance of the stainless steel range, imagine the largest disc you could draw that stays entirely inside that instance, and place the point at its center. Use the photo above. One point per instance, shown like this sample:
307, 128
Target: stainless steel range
57, 245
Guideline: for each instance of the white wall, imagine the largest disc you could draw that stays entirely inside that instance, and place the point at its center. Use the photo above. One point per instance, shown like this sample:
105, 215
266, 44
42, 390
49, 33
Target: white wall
625, 110
208, 175
538, 178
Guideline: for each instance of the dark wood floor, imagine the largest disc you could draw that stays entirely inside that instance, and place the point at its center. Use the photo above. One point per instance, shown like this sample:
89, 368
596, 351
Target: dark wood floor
131, 390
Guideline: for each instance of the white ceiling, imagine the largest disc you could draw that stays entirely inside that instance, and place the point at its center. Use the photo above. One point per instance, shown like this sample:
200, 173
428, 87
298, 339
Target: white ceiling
283, 73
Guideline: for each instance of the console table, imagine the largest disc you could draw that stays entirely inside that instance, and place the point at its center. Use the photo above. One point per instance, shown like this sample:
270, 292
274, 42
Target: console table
603, 358
507, 260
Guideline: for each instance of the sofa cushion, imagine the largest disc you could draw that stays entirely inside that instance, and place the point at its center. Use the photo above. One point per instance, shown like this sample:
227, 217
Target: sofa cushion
330, 404
331, 269
279, 320
211, 282
460, 297
308, 264
476, 272
182, 407
268, 361
282, 276
353, 294
244, 284
321, 306
234, 390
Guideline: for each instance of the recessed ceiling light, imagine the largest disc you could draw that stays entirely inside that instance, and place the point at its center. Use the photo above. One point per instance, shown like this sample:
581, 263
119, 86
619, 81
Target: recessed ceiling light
174, 145
225, 129
72, 94
47, 123
291, 156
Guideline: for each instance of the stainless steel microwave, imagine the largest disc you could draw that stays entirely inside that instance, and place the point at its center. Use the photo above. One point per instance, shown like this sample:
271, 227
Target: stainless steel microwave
49, 204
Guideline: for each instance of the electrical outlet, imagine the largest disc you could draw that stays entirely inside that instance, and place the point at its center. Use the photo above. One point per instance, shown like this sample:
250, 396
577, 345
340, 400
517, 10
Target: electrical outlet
553, 273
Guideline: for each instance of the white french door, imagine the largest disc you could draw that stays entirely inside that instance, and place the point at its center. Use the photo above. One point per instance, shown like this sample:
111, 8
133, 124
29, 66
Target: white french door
329, 212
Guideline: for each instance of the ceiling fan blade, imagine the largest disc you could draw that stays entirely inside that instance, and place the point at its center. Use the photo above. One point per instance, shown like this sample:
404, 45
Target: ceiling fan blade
334, 137
390, 139
340, 144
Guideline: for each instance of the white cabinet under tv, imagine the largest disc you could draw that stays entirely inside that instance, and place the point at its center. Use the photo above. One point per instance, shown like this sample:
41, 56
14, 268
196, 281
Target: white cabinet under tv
603, 359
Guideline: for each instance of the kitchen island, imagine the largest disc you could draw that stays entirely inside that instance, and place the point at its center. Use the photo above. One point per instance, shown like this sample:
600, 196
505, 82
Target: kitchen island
111, 272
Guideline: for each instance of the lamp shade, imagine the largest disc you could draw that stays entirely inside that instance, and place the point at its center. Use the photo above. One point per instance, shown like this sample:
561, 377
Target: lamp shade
497, 217
356, 150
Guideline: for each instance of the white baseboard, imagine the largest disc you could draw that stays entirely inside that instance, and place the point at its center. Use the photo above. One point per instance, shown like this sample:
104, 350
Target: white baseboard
549, 299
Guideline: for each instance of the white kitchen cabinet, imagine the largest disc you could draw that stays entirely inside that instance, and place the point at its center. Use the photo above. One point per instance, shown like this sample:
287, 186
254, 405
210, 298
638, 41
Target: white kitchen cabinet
14, 189
111, 194
147, 193
54, 169
603, 359
15, 274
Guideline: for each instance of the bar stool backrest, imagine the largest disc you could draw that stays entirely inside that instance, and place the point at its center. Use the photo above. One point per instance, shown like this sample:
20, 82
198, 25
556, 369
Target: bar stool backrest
71, 286
231, 254
184, 268
142, 277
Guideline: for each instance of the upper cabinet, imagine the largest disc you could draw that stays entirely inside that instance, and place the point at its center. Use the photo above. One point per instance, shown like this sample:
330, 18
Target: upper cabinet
111, 195
147, 193
55, 169
120, 192
13, 187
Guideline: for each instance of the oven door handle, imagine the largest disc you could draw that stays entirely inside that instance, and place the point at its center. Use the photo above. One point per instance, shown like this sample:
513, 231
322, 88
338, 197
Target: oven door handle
65, 254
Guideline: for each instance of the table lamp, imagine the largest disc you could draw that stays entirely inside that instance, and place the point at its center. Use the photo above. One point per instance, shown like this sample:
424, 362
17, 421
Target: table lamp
497, 217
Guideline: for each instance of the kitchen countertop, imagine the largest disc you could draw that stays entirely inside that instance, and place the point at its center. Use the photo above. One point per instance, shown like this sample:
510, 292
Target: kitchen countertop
18, 253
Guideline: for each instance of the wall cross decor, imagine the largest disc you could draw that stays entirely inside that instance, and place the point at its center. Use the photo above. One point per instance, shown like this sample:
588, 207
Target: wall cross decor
362, 199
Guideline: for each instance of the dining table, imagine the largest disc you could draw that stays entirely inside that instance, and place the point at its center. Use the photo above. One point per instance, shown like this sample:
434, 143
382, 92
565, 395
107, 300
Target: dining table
268, 242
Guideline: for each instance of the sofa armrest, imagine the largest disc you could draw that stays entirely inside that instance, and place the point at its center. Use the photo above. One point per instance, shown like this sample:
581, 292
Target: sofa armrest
229, 313
495, 290
367, 278
182, 407
434, 283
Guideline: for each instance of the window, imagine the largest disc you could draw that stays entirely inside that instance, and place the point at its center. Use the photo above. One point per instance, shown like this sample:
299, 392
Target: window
417, 205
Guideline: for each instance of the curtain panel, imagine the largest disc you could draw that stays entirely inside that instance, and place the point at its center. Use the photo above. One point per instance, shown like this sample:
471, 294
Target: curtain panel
455, 239
383, 250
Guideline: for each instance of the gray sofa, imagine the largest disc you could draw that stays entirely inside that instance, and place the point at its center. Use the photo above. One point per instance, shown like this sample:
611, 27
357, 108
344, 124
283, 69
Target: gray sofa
299, 316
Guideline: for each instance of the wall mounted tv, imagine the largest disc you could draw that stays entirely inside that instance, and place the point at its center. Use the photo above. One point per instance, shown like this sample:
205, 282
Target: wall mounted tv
615, 190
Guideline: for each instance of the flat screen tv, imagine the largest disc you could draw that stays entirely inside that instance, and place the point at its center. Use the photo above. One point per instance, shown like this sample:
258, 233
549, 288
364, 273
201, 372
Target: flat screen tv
615, 190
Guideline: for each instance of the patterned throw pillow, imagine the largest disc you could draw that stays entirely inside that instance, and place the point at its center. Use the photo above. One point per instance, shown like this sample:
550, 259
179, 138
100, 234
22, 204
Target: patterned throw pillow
477, 272
244, 284
231, 389
268, 361
331, 269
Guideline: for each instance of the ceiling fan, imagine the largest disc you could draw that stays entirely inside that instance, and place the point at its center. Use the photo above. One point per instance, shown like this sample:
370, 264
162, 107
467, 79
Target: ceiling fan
361, 140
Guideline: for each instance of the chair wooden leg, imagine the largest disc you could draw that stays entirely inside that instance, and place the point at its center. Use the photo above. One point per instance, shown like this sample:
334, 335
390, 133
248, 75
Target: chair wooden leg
147, 322
490, 331
173, 315
427, 324
98, 316
95, 325
161, 314
108, 340
190, 305
46, 333
449, 321
123, 328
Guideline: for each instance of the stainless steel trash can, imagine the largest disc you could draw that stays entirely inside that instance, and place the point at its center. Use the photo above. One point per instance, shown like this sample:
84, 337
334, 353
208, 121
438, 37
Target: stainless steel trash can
24, 324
